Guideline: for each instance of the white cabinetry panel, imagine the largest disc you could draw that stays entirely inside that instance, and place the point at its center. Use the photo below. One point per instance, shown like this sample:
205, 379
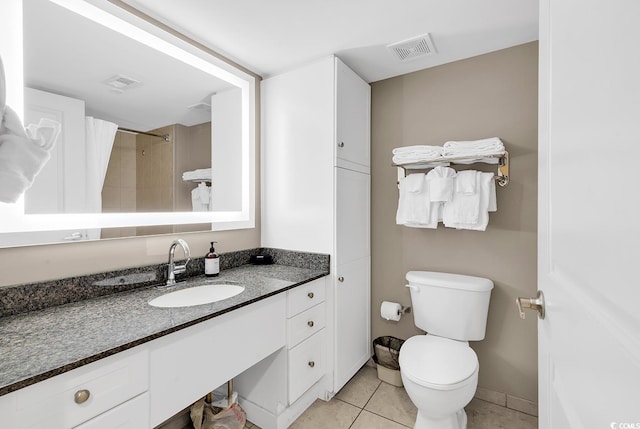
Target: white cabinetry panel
353, 128
353, 207
352, 316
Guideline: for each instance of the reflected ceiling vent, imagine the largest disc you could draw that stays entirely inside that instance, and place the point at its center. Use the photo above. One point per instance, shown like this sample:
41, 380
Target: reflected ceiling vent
119, 83
410, 49
201, 106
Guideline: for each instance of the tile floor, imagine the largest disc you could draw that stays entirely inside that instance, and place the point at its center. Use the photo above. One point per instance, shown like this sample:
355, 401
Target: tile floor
367, 403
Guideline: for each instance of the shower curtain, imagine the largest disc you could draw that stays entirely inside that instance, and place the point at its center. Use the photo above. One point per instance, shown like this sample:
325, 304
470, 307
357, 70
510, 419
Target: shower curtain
99, 142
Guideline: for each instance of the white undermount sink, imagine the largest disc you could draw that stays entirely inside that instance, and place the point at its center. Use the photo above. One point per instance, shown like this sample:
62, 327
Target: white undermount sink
197, 295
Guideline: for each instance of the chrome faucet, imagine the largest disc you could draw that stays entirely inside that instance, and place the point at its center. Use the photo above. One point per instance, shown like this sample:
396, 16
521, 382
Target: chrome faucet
174, 269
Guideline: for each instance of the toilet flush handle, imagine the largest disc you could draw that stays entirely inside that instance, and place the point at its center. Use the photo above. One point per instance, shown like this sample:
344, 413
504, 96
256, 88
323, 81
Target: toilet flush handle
413, 288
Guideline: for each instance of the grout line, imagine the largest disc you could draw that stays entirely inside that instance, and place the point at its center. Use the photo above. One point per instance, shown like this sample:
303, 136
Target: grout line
505, 407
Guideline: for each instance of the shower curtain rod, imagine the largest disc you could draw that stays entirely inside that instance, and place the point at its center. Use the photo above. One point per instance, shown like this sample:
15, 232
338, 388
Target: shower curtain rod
164, 137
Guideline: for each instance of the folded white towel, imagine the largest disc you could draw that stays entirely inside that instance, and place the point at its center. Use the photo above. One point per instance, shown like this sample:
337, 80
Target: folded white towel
414, 207
22, 157
201, 198
466, 182
418, 149
199, 174
415, 182
414, 154
440, 182
490, 146
459, 214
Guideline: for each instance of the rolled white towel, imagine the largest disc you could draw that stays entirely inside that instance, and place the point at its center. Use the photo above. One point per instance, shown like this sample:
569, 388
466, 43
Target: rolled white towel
490, 146
22, 157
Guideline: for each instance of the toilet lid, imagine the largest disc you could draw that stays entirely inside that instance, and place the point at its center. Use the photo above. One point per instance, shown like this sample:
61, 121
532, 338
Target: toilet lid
434, 361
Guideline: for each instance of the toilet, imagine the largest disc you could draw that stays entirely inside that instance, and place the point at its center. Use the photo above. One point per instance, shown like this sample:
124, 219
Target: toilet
439, 370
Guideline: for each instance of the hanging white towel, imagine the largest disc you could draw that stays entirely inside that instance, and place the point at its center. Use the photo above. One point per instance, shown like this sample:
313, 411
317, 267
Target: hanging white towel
414, 207
201, 198
440, 182
22, 154
458, 213
464, 207
493, 200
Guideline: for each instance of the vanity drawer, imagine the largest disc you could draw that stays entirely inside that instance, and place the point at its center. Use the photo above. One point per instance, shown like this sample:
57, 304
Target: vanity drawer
305, 324
108, 382
305, 296
133, 414
306, 365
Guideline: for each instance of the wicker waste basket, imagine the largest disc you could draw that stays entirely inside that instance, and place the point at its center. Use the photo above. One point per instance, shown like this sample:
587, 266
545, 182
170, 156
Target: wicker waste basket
386, 351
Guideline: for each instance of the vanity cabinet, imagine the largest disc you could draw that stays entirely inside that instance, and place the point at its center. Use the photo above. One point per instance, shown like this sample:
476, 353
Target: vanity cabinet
316, 194
117, 382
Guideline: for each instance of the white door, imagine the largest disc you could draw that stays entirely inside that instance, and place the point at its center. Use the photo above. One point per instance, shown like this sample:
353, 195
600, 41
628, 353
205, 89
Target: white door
589, 228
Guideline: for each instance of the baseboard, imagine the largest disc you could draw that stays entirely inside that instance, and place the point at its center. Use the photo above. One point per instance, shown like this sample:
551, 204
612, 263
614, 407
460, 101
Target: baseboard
508, 401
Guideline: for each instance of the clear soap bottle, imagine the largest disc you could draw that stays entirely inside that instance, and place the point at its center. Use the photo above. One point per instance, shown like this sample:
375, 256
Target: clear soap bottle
212, 262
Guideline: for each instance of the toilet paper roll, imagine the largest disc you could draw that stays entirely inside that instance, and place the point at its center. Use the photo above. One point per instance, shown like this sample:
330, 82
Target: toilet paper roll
390, 310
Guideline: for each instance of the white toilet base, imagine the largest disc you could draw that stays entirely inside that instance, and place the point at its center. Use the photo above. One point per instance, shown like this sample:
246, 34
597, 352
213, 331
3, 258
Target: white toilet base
454, 421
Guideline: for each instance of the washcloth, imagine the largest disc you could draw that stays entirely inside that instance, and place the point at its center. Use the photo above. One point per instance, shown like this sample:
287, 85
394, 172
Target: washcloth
203, 174
414, 154
458, 213
414, 206
440, 182
22, 154
201, 198
465, 182
484, 147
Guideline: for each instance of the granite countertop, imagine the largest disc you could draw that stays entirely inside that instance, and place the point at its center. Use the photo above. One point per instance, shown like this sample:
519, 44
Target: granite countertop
40, 344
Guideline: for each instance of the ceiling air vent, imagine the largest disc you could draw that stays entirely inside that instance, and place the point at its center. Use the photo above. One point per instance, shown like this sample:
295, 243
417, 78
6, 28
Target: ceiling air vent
413, 48
120, 83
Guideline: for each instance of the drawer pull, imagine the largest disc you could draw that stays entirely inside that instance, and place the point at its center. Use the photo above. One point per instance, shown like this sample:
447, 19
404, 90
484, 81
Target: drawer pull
81, 396
340, 279
312, 363
310, 323
310, 295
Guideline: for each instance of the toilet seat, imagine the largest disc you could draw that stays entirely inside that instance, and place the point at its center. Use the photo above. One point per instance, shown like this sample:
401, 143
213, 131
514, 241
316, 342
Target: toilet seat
437, 363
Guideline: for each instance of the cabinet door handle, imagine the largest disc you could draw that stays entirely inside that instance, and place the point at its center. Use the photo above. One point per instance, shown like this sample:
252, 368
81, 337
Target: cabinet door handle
311, 363
310, 295
81, 396
340, 279
341, 144
310, 323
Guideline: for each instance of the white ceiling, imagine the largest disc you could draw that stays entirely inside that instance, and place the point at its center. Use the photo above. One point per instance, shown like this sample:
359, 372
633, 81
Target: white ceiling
272, 36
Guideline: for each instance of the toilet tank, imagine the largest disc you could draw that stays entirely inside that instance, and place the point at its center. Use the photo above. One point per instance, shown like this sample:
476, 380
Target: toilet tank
450, 305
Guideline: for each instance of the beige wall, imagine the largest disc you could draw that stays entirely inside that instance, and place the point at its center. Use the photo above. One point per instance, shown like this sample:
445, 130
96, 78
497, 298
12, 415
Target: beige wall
489, 95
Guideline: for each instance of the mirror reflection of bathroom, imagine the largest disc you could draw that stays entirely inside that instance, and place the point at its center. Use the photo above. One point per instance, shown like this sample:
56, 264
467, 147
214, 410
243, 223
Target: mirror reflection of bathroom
136, 136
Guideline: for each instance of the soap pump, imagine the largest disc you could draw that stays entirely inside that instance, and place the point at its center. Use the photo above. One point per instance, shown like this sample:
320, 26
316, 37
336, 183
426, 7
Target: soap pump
212, 262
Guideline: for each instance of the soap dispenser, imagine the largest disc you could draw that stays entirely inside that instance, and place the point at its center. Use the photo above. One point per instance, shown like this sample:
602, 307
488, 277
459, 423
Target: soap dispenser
212, 262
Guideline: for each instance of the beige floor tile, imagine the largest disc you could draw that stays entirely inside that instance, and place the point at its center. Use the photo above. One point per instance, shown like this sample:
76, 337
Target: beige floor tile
334, 414
367, 420
360, 388
485, 415
393, 403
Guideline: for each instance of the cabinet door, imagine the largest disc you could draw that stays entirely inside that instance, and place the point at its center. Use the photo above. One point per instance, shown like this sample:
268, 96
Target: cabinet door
353, 202
352, 320
353, 123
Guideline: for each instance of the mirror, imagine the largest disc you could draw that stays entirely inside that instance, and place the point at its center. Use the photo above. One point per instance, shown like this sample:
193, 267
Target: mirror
136, 155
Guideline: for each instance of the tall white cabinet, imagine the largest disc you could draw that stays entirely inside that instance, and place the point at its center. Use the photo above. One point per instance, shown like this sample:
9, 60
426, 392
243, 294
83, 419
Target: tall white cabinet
316, 194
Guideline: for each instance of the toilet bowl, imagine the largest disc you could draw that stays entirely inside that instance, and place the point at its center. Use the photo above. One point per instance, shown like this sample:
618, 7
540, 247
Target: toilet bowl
440, 376
439, 370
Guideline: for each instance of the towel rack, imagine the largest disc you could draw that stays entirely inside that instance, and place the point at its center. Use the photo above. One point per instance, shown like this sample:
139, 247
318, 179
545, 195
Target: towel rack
501, 177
